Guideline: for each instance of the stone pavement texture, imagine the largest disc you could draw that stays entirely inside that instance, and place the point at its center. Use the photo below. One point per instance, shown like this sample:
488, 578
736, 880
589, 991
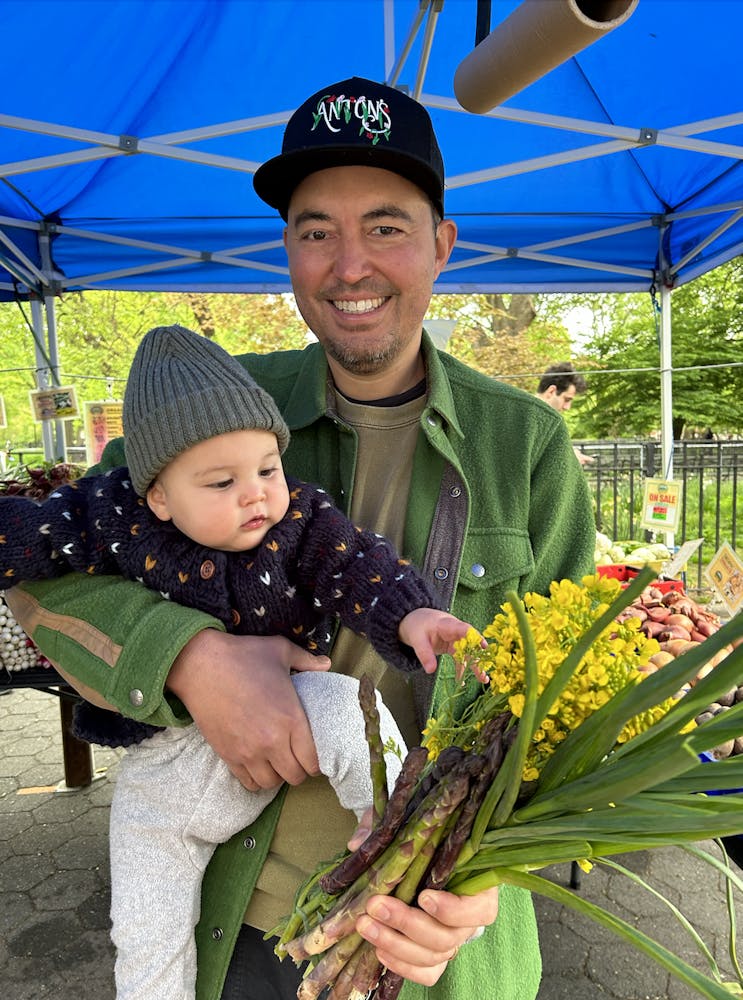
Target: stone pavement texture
54, 888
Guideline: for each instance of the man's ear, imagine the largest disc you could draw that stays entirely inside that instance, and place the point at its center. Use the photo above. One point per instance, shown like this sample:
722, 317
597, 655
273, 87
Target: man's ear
157, 502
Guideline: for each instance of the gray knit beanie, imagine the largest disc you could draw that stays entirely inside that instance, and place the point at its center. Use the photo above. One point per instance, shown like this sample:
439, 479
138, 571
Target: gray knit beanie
182, 389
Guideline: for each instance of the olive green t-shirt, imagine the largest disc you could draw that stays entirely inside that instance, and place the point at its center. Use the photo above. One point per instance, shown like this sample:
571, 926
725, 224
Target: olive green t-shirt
313, 827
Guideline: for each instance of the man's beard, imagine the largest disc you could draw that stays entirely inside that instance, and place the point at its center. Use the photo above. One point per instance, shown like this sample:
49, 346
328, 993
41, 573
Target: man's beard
360, 361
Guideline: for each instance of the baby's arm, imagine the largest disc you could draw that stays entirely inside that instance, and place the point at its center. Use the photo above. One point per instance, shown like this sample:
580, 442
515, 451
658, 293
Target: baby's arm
331, 704
62, 534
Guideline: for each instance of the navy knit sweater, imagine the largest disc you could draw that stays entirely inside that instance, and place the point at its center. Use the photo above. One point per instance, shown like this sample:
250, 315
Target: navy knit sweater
311, 569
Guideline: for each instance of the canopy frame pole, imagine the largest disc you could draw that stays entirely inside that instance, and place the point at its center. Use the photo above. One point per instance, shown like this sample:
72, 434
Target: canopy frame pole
666, 368
45, 333
42, 373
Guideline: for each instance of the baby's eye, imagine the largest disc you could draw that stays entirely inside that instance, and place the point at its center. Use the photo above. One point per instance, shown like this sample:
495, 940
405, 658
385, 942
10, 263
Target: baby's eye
221, 485
267, 473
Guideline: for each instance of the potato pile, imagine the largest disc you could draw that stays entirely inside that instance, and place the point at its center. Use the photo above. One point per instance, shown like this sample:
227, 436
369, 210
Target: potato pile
678, 623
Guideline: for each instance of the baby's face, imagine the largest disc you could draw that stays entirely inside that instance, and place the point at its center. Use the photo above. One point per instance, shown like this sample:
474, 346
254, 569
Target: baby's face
226, 492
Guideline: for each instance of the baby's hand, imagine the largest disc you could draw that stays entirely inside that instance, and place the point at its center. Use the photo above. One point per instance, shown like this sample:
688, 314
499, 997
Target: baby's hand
431, 633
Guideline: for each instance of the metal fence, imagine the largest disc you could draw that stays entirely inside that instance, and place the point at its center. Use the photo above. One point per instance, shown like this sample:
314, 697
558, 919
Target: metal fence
711, 474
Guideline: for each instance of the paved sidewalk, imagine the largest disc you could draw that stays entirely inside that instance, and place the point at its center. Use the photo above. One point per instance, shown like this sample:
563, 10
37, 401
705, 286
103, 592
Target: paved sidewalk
54, 888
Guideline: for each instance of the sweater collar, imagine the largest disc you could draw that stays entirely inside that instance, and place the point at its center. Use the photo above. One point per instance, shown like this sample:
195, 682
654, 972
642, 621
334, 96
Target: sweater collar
310, 398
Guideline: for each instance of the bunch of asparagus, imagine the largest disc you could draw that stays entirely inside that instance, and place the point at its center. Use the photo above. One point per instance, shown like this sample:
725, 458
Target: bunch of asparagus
417, 834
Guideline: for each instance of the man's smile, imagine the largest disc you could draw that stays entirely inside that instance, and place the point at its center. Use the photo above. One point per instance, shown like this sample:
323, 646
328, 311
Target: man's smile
358, 306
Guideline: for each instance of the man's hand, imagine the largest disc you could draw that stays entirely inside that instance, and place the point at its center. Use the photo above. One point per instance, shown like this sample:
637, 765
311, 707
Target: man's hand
419, 942
239, 693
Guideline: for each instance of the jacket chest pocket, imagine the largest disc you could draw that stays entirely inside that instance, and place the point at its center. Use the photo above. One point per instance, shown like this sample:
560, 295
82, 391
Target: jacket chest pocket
494, 561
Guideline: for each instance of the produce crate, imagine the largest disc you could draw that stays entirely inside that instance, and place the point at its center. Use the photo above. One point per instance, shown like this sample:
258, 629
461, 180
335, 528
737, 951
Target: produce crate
618, 571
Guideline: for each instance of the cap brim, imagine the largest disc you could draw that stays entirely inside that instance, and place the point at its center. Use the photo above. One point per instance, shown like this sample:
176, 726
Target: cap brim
276, 179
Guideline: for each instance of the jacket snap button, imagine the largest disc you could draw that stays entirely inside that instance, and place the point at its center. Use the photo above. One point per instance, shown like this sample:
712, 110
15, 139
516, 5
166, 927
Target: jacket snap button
136, 698
207, 569
235, 617
478, 570
441, 572
455, 491
249, 843
217, 933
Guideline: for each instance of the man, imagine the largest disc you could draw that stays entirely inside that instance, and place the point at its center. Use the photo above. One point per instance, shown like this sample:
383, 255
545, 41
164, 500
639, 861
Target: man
466, 475
558, 387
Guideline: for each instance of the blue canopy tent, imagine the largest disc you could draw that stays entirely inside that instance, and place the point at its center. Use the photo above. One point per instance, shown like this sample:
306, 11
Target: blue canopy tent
130, 132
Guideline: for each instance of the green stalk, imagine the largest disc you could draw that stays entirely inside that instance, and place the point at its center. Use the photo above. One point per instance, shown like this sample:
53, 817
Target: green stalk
503, 792
686, 973
377, 765
611, 783
682, 919
731, 882
725, 676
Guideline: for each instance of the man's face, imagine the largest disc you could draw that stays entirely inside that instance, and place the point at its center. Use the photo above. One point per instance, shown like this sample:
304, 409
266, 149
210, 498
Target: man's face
363, 256
560, 401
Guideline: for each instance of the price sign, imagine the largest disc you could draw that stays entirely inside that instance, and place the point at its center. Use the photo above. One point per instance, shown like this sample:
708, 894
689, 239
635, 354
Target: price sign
661, 505
59, 403
725, 573
102, 424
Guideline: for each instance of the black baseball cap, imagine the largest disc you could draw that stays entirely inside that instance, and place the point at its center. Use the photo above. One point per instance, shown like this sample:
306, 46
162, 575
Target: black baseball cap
356, 122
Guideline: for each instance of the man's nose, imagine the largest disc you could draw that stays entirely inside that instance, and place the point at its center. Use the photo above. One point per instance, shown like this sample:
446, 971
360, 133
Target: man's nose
351, 262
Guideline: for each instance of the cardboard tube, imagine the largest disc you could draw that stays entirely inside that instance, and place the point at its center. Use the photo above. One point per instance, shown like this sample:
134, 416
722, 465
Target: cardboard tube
537, 36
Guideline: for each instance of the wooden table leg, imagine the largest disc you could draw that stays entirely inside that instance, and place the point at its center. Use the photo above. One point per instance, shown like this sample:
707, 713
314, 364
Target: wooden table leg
78, 755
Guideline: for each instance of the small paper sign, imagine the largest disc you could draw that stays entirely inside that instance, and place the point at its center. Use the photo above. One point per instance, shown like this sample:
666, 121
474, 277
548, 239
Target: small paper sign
725, 573
59, 403
661, 505
102, 424
682, 557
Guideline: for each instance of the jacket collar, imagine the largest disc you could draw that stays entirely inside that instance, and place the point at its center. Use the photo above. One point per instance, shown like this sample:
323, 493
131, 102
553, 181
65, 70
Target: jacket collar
310, 399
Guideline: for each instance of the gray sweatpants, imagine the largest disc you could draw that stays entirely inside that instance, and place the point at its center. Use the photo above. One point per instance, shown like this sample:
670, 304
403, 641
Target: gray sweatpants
175, 800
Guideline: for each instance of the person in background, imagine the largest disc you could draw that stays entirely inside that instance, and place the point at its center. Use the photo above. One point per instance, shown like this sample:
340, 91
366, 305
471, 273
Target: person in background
558, 387
471, 479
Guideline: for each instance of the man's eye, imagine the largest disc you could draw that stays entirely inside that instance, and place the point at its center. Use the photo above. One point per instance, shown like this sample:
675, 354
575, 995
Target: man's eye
387, 230
315, 235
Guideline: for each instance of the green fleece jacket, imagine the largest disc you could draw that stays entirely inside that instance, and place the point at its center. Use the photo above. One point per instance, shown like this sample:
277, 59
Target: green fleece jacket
498, 502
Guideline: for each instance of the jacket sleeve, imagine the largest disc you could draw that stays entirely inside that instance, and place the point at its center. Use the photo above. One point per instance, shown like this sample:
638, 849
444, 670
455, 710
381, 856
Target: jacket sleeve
358, 576
111, 637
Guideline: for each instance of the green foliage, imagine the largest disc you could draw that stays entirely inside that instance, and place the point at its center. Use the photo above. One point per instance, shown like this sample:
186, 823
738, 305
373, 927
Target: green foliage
505, 336
98, 333
707, 339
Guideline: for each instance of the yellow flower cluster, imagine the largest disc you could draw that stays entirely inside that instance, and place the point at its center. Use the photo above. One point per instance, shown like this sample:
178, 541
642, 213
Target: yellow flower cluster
557, 623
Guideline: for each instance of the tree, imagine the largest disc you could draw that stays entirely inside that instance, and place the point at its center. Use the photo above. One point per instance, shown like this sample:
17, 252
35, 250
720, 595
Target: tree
98, 333
623, 397
505, 336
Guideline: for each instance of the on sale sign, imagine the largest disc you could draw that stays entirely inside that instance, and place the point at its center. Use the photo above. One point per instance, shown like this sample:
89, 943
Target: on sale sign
661, 505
